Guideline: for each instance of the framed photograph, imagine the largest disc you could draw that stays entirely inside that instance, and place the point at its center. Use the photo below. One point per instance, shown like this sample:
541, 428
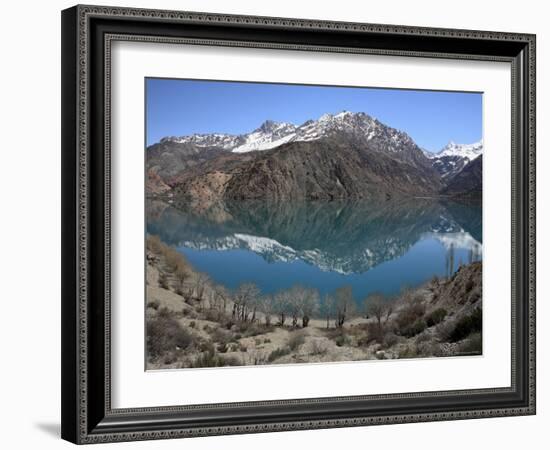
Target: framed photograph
280, 224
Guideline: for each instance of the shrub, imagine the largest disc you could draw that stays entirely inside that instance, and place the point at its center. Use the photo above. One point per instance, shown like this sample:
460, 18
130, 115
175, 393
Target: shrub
377, 332
208, 359
163, 281
390, 339
415, 328
467, 325
436, 316
175, 260
222, 348
212, 315
410, 351
318, 347
154, 304
472, 345
220, 335
187, 312
409, 315
342, 340
154, 244
232, 361
206, 346
445, 329
192, 324
296, 340
278, 353
165, 334
165, 313
250, 329
168, 358
372, 333
428, 348
423, 337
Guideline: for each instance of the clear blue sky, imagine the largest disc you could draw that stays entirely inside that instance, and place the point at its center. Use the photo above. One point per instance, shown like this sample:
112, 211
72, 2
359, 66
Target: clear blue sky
182, 107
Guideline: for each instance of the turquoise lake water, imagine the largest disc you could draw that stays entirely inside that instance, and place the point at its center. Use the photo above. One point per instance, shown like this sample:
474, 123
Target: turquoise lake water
380, 247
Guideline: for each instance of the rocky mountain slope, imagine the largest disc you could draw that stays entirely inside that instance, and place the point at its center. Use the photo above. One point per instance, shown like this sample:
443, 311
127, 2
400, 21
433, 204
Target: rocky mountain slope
454, 157
347, 155
468, 182
326, 169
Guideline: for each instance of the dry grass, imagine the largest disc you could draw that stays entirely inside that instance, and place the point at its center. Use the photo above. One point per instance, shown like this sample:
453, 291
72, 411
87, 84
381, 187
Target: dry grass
165, 334
190, 324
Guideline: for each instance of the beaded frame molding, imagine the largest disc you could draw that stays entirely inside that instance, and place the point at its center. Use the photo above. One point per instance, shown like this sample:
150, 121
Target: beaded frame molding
87, 35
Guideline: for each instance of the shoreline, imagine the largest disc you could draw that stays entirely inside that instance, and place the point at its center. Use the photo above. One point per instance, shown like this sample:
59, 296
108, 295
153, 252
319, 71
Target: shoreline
191, 321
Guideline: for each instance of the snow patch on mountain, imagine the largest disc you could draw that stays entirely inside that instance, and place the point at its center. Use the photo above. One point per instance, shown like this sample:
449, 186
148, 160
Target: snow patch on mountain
269, 135
224, 141
273, 134
468, 151
454, 157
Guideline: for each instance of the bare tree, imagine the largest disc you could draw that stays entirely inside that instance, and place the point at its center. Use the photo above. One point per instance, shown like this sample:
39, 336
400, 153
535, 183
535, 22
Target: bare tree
327, 308
246, 301
280, 306
375, 306
296, 295
380, 308
223, 295
267, 306
345, 304
181, 273
309, 304
255, 305
201, 280
302, 303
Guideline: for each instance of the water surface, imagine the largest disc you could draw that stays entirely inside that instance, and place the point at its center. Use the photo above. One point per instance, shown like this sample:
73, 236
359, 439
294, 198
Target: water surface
380, 247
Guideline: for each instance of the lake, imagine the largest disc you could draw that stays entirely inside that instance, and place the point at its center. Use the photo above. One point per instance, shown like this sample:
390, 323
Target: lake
370, 246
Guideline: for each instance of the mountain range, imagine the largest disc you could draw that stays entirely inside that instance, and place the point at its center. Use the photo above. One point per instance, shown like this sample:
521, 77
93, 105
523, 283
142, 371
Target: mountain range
341, 156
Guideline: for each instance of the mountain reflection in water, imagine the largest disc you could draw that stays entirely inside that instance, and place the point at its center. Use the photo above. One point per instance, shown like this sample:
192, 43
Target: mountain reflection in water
381, 246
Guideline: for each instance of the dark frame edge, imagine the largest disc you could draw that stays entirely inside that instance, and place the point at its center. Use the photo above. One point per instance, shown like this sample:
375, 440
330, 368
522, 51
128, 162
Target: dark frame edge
69, 303
84, 420
528, 190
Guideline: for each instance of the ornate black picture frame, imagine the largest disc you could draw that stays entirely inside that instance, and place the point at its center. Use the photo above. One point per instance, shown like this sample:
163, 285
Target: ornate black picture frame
87, 34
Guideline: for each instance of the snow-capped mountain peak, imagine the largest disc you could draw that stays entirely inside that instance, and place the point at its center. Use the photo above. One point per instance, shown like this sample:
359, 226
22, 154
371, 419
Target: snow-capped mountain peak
454, 157
343, 114
326, 117
271, 134
224, 141
469, 151
270, 126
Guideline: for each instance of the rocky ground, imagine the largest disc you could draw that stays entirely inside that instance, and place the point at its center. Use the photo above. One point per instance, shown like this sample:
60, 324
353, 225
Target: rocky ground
191, 322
